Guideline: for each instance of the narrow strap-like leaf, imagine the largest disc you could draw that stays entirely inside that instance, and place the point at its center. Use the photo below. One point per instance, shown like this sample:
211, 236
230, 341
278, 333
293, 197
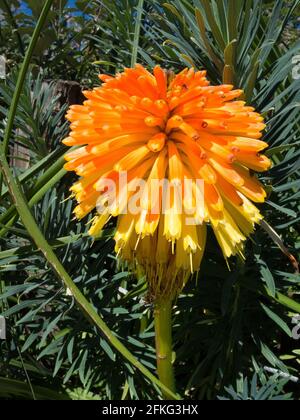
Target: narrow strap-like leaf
137, 31
21, 79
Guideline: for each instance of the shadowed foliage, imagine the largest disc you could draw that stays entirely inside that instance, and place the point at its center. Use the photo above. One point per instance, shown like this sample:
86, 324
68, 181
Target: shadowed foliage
229, 324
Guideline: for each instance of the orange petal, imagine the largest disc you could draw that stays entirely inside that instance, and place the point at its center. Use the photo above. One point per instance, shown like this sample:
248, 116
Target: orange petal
226, 171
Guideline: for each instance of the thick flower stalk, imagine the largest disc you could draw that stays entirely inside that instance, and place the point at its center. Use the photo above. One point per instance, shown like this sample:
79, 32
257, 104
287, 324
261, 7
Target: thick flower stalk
176, 128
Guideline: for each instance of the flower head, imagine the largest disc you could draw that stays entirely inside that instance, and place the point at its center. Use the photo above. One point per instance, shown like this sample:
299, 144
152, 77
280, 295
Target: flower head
179, 129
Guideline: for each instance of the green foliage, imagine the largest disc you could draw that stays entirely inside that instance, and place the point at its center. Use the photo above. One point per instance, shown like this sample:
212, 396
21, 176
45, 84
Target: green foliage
40, 120
65, 48
271, 389
225, 322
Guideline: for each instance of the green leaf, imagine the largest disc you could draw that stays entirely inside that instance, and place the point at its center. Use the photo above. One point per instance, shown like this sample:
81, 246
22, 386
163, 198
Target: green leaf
282, 324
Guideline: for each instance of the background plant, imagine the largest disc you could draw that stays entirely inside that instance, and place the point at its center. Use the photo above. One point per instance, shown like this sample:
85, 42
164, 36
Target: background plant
226, 323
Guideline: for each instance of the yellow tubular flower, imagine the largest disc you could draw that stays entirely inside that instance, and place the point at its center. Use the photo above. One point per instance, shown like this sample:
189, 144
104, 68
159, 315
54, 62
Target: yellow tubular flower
156, 127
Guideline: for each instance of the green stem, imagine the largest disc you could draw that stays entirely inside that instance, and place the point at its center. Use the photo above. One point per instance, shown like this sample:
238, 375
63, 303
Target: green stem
30, 224
36, 194
21, 79
42, 244
163, 338
38, 167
